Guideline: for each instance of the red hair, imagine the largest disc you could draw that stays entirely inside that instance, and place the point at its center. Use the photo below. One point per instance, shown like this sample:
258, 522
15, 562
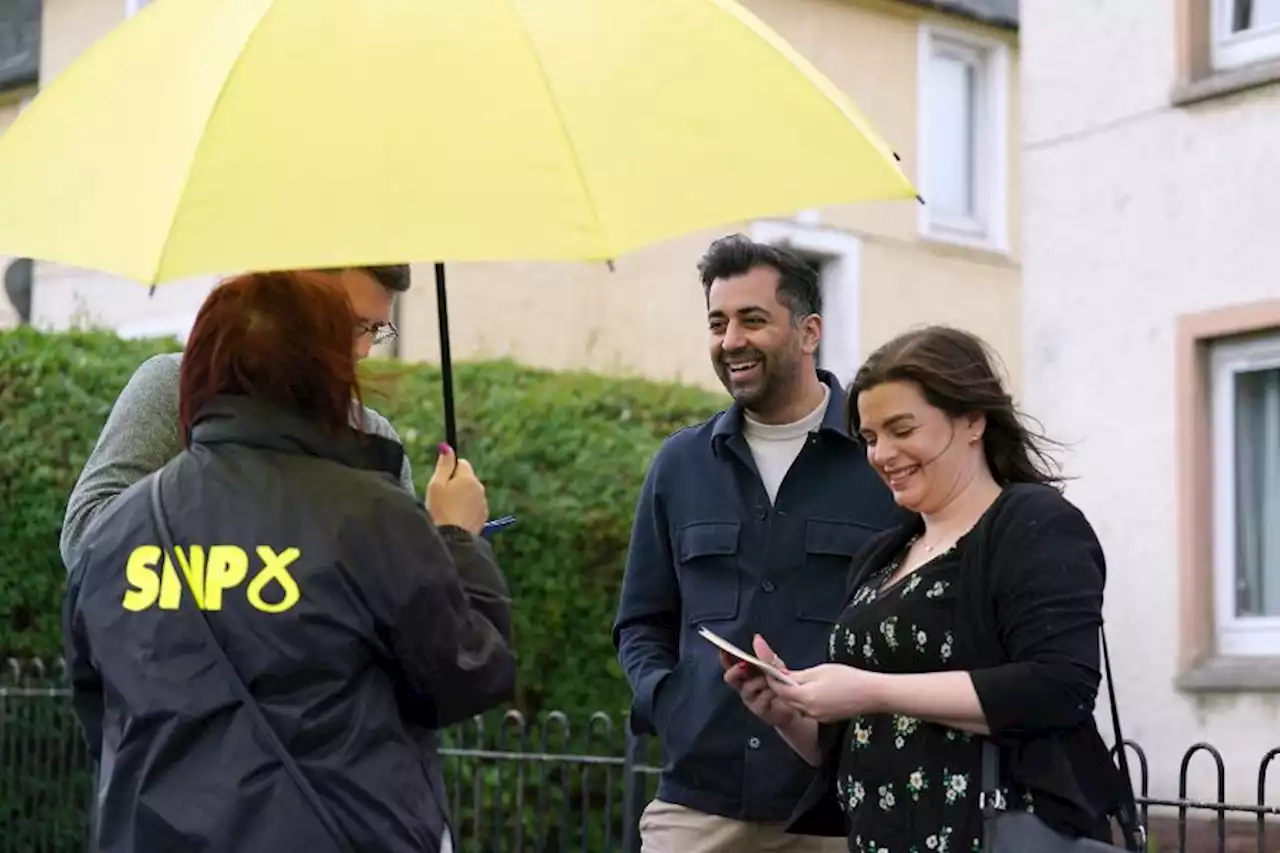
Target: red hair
280, 337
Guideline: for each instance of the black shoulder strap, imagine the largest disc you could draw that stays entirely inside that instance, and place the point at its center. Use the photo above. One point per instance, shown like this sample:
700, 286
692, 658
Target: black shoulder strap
237, 683
990, 798
1127, 809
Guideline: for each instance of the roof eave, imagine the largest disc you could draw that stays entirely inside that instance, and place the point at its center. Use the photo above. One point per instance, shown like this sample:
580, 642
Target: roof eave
949, 7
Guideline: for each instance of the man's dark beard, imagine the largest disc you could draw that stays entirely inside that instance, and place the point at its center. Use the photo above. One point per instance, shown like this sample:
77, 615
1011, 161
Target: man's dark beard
777, 379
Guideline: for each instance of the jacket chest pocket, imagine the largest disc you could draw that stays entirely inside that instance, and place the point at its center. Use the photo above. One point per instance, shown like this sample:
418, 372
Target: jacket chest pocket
707, 563
829, 548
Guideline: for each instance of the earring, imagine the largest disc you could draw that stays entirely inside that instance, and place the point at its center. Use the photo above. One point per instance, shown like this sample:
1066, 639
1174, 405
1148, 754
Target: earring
974, 439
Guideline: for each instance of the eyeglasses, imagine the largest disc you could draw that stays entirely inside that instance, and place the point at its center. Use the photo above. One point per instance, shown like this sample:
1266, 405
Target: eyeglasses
382, 331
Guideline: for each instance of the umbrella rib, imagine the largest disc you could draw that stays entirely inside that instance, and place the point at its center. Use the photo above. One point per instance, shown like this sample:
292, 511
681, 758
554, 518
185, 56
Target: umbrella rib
560, 120
217, 101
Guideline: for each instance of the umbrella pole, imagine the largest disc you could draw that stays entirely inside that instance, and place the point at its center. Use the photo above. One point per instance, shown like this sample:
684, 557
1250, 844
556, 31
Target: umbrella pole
446, 359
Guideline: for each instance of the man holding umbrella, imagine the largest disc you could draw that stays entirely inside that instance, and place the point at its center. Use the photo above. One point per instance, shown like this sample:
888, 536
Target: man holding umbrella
142, 433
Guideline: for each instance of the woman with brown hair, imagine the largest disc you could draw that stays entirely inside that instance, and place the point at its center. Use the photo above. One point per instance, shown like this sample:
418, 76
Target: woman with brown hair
262, 634
965, 666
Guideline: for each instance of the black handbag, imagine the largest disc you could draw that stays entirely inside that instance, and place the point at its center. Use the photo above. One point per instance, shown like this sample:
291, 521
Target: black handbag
1006, 830
339, 838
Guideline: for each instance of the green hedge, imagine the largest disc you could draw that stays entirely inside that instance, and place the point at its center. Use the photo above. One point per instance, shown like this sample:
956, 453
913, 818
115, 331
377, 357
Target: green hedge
565, 452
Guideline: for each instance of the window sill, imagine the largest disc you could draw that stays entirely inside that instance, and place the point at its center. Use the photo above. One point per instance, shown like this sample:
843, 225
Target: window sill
1219, 84
949, 242
1232, 675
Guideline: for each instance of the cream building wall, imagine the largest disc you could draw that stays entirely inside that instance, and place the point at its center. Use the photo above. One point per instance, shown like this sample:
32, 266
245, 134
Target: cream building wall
646, 316
1150, 202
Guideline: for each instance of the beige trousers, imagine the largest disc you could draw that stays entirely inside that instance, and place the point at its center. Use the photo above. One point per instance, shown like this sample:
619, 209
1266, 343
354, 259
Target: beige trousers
668, 828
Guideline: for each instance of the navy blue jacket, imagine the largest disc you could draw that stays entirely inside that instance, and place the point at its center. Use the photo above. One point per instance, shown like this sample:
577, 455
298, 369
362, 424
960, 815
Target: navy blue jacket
708, 548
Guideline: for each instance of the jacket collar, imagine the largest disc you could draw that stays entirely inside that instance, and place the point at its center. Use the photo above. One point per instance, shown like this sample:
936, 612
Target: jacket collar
230, 419
732, 421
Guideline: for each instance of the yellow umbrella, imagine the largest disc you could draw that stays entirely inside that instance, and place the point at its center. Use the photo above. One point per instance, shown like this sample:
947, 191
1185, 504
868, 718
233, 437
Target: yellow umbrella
221, 135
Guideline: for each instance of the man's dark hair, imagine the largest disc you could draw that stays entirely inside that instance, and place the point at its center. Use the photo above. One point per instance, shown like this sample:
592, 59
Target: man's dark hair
738, 255
394, 278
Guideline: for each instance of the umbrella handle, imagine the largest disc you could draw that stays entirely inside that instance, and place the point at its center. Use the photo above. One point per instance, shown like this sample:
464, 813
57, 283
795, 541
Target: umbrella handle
446, 359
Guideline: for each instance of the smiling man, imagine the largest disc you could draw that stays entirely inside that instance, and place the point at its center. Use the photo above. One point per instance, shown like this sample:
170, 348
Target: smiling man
746, 523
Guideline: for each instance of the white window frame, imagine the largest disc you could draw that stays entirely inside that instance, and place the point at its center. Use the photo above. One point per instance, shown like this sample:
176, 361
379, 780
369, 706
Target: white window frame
990, 228
841, 254
1230, 50
1236, 636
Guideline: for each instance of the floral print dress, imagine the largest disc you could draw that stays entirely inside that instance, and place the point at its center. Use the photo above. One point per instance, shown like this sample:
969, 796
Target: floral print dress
907, 786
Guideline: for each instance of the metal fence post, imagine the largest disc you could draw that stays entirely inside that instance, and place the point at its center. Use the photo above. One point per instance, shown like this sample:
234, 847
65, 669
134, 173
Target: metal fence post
633, 792
91, 810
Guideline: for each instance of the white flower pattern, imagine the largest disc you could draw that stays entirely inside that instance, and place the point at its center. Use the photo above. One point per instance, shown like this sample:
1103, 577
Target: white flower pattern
907, 763
944, 651
889, 629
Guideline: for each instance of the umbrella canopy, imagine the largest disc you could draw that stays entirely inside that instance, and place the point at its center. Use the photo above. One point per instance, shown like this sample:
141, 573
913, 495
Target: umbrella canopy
223, 135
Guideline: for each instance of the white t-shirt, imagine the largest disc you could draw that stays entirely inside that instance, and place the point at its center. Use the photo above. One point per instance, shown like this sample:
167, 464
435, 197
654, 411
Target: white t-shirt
775, 446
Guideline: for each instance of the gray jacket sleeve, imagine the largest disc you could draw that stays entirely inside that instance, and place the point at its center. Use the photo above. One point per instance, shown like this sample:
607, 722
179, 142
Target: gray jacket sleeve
141, 435
376, 424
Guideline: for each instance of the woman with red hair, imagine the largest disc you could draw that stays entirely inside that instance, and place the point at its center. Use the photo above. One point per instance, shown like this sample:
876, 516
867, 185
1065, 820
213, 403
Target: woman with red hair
262, 635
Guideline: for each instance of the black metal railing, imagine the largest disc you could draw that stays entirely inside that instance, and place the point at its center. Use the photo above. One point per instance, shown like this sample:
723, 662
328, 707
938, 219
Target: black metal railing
540, 786
546, 785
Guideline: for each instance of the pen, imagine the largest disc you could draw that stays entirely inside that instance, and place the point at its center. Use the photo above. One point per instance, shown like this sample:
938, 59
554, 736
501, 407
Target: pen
496, 525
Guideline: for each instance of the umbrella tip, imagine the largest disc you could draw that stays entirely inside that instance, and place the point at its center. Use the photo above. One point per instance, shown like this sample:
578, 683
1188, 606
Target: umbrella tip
610, 265
151, 291
896, 157
920, 199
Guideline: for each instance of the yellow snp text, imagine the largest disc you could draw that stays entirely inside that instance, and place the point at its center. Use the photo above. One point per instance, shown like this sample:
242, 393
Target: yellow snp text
209, 574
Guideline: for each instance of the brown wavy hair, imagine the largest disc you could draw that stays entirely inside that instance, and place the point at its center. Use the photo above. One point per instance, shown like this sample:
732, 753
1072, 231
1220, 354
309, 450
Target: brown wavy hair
280, 337
955, 372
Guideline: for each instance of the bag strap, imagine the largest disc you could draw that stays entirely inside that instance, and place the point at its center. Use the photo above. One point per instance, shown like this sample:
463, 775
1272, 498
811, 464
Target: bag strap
1135, 835
990, 797
237, 683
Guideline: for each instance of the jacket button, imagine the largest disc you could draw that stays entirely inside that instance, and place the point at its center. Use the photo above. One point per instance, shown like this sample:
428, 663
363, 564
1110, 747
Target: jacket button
761, 513
768, 586
754, 743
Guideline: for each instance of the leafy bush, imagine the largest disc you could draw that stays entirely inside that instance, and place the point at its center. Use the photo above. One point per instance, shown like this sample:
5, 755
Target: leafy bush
564, 452
55, 393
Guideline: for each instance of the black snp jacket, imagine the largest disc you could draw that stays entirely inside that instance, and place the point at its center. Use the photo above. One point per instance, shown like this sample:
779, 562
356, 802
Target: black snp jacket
357, 624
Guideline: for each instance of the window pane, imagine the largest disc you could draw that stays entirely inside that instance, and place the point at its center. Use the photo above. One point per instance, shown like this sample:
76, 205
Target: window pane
1254, 14
1257, 475
952, 87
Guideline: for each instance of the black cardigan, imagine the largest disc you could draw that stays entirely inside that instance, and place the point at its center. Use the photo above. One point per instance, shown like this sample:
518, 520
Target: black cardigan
1030, 595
